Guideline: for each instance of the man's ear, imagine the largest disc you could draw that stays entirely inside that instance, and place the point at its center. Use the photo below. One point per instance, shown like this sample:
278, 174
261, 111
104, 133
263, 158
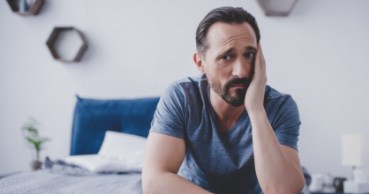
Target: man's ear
198, 59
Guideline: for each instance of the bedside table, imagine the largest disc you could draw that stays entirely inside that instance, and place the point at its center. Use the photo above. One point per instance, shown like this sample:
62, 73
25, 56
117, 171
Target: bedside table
333, 193
325, 193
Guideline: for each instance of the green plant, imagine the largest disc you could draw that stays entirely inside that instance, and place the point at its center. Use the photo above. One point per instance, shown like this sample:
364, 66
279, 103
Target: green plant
31, 135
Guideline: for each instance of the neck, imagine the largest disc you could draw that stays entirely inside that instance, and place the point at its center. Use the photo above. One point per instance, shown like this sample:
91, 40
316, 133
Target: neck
227, 114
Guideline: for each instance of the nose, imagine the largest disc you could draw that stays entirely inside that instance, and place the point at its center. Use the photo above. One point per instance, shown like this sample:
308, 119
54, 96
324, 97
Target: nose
242, 68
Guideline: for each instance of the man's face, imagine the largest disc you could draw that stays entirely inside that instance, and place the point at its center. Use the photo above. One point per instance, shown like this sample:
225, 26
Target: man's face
229, 60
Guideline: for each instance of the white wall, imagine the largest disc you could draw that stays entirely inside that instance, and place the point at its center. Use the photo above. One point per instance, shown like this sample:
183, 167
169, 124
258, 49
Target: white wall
319, 54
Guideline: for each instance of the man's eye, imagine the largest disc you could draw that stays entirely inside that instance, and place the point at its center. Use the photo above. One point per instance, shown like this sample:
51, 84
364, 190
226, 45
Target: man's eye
250, 55
226, 57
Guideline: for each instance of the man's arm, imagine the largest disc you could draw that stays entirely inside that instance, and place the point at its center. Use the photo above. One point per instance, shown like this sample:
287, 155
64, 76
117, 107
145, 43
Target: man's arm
163, 157
277, 166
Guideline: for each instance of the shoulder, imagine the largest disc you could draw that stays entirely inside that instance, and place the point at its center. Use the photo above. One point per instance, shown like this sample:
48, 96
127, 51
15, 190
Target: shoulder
284, 117
272, 95
276, 101
189, 83
186, 87
181, 85
177, 93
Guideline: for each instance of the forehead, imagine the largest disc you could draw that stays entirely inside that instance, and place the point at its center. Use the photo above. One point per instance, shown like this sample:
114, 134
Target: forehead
226, 35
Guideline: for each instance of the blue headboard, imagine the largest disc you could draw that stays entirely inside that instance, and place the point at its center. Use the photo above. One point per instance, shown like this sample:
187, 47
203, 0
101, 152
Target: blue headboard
93, 117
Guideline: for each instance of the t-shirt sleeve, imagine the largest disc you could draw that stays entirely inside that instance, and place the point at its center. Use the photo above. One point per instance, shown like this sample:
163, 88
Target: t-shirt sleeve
169, 117
287, 123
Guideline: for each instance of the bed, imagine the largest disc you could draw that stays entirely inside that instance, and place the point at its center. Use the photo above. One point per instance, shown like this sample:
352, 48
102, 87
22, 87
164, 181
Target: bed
91, 121
99, 127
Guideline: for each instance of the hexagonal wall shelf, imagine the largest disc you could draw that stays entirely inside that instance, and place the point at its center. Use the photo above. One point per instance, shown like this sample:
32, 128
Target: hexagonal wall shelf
25, 7
66, 44
277, 7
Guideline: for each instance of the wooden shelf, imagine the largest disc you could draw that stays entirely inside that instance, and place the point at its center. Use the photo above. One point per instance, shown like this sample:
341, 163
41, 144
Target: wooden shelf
26, 7
67, 39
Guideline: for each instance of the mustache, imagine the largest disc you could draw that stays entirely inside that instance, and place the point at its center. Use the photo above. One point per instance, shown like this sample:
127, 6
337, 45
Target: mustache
236, 80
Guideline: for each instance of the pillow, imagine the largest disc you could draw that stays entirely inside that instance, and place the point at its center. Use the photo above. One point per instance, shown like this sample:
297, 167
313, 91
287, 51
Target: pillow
119, 152
93, 117
122, 146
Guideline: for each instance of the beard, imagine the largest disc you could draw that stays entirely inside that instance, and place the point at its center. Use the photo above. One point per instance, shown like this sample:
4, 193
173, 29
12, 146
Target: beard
238, 98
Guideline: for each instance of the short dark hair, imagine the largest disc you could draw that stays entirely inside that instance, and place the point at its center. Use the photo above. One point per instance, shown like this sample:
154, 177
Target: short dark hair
227, 15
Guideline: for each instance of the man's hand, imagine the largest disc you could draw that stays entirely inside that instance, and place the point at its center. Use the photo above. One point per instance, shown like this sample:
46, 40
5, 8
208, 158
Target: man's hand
254, 98
272, 160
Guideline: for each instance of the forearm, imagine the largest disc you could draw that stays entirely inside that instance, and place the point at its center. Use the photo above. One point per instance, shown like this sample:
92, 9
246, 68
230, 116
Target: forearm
276, 173
167, 182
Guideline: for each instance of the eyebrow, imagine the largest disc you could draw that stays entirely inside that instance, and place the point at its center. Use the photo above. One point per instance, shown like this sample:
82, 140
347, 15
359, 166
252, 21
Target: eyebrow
230, 50
251, 48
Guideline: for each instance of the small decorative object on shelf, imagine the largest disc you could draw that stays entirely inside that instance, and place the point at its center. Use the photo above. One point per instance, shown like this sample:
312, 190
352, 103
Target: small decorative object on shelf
277, 7
26, 7
67, 44
32, 136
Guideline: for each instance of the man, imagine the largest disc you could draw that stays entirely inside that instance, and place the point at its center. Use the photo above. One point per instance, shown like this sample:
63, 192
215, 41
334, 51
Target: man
226, 131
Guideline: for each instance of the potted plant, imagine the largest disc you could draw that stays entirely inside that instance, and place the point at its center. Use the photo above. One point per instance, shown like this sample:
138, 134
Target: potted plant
31, 135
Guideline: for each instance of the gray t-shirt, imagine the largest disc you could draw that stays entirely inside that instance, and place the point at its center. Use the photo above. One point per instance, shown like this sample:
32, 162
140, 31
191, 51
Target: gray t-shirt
220, 162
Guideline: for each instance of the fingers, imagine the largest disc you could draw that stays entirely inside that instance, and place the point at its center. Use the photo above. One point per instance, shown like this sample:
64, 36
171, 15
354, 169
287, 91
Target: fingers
256, 91
260, 57
260, 68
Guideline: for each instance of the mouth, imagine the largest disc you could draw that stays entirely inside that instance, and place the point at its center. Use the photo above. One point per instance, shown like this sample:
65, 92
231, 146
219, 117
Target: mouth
239, 86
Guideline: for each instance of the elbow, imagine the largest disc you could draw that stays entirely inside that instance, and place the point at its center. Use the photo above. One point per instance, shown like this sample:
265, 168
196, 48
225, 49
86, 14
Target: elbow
152, 182
299, 185
148, 185
294, 187
284, 191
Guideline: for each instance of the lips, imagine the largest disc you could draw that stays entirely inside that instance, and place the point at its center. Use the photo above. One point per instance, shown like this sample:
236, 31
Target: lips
239, 85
